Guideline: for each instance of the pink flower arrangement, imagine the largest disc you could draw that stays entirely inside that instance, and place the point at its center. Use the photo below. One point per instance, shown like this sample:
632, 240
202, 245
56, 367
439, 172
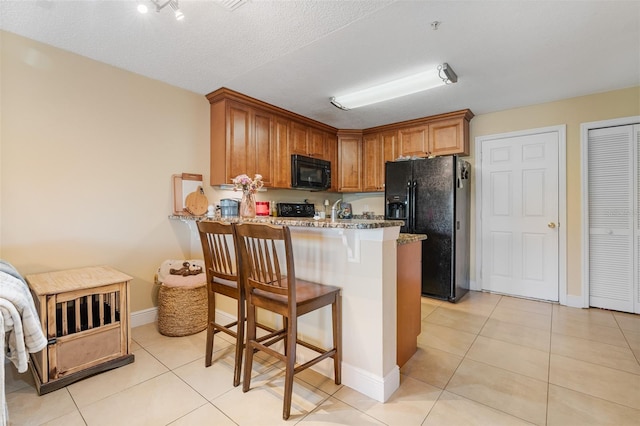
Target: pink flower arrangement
245, 184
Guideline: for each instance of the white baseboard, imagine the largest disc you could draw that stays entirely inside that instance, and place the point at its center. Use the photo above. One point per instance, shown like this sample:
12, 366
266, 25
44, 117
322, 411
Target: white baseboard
146, 316
376, 387
575, 301
473, 285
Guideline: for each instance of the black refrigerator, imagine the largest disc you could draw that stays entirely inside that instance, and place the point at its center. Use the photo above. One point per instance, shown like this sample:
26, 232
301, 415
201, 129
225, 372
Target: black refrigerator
432, 196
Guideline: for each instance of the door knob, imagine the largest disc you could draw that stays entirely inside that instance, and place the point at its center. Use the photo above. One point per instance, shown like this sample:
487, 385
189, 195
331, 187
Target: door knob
551, 225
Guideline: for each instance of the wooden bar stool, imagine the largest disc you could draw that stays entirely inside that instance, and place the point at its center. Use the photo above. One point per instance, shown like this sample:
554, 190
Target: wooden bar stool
277, 290
221, 264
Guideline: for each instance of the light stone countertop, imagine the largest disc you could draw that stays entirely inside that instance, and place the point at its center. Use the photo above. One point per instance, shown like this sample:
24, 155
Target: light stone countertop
410, 238
321, 223
305, 222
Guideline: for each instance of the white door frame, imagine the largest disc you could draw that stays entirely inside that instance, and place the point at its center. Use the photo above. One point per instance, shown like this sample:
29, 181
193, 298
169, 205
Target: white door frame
584, 163
562, 202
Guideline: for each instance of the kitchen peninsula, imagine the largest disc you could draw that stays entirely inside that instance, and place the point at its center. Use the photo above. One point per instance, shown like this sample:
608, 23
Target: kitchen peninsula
360, 257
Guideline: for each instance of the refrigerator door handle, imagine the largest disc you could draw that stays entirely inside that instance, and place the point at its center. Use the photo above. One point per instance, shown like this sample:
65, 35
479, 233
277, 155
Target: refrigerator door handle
413, 205
408, 207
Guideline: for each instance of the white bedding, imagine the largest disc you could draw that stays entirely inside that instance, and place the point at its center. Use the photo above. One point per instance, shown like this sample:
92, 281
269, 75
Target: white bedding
20, 329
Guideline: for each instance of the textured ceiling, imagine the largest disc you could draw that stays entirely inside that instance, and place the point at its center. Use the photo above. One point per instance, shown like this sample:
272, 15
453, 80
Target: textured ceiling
297, 54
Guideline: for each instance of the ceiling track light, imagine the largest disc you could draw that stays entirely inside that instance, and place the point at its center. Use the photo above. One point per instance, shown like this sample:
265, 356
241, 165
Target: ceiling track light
439, 76
176, 10
142, 8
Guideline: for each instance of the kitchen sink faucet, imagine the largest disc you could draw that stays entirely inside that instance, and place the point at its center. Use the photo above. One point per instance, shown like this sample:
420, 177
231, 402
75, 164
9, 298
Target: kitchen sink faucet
334, 210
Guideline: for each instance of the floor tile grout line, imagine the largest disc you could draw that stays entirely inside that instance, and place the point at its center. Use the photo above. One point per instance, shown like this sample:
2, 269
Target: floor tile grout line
608, 401
489, 406
626, 339
546, 415
469, 348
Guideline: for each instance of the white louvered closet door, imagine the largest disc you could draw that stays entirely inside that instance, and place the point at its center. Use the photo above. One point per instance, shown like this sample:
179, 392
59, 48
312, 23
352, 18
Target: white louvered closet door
614, 201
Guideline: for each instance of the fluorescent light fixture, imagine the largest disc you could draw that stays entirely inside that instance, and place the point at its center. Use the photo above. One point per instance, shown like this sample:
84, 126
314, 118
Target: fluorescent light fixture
425, 80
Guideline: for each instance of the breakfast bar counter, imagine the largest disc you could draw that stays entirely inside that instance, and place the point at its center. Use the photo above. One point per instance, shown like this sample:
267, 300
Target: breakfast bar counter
360, 256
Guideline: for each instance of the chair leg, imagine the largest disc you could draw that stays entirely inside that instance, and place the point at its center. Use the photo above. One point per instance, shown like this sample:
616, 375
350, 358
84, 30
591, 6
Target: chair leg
248, 349
239, 343
336, 315
290, 347
211, 314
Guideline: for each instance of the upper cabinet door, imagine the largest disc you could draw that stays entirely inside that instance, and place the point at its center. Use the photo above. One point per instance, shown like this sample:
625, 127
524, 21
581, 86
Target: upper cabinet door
240, 144
372, 162
414, 141
298, 139
316, 142
449, 137
331, 154
280, 150
349, 163
263, 150
389, 146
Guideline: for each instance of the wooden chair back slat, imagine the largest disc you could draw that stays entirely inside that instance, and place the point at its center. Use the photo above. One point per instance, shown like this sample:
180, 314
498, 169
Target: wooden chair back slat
216, 238
258, 248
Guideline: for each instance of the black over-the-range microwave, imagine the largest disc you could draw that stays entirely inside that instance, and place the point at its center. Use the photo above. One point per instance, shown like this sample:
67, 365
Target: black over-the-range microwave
310, 173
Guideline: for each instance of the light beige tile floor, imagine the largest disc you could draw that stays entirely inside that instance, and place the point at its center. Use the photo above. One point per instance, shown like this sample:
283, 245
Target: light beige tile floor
487, 360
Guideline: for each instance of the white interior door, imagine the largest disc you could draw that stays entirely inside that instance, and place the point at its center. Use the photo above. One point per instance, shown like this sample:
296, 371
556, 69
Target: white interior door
613, 177
519, 217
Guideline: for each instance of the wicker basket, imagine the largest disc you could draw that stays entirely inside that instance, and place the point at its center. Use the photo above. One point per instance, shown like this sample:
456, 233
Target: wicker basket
182, 303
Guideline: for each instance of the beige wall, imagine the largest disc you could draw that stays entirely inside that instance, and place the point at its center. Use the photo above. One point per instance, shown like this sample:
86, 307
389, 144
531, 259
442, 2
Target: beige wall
87, 151
571, 112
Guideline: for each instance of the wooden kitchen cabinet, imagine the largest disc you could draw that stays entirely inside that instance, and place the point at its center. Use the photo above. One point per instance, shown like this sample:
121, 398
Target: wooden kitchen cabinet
316, 141
281, 156
307, 141
449, 137
349, 161
249, 136
298, 139
331, 154
445, 134
371, 160
241, 138
414, 141
377, 149
262, 123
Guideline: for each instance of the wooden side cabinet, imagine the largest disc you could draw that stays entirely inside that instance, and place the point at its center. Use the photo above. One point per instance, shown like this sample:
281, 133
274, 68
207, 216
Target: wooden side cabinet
409, 291
85, 315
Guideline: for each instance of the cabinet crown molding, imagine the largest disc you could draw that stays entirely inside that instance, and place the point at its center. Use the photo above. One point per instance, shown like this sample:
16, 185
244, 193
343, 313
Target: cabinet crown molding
463, 113
224, 93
